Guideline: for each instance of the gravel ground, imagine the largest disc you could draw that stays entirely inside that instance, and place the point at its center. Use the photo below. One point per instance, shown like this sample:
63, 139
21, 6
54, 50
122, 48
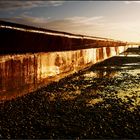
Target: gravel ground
101, 102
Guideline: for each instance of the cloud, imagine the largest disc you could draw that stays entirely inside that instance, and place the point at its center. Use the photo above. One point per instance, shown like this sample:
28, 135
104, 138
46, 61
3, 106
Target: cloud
16, 4
80, 25
85, 20
55, 3
31, 19
130, 2
28, 20
77, 21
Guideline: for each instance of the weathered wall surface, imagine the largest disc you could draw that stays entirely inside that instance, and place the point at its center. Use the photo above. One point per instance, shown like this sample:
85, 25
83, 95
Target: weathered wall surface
40, 56
24, 73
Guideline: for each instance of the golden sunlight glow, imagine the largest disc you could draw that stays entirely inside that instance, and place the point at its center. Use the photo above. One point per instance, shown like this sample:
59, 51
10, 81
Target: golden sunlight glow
49, 71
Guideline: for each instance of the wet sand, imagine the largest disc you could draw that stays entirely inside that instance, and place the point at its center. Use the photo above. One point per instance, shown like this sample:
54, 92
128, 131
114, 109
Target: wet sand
101, 102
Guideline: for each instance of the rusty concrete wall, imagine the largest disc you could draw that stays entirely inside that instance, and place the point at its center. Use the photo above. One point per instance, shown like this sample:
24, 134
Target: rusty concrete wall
24, 73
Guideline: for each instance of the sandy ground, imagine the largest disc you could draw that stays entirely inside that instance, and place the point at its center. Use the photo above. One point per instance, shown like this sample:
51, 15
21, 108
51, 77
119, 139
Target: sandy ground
101, 102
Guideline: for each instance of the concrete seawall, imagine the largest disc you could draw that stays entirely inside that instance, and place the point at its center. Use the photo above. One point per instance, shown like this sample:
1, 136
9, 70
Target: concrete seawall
24, 73
31, 58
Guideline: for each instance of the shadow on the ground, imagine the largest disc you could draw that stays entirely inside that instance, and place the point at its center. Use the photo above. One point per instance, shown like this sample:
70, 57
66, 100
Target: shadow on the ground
129, 59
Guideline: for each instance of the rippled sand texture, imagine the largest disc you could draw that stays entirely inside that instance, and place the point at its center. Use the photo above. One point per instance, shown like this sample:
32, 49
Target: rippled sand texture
101, 102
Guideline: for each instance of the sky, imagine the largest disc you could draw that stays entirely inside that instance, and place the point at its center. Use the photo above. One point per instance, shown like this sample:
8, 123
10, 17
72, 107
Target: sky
111, 19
